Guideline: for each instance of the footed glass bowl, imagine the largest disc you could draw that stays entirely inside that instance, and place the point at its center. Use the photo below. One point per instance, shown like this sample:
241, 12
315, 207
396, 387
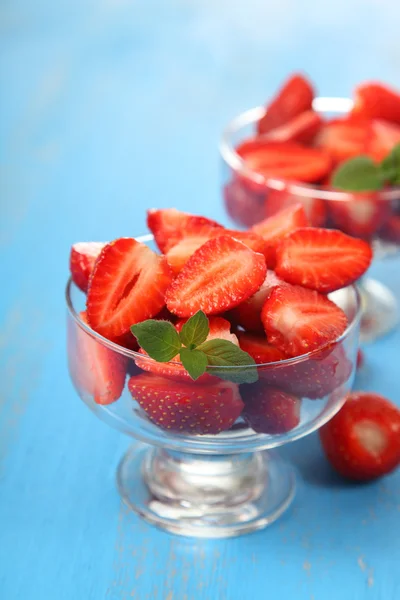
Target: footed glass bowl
207, 485
375, 216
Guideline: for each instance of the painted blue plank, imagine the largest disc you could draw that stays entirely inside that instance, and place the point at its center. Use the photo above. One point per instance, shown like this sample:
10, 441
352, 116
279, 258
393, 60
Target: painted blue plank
107, 109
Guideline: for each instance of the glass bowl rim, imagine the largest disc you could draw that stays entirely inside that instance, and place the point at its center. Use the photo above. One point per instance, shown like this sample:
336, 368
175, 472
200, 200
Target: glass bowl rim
271, 365
237, 164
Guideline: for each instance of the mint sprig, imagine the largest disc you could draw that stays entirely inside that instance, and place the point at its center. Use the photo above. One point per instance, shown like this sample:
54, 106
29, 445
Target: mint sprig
362, 174
163, 342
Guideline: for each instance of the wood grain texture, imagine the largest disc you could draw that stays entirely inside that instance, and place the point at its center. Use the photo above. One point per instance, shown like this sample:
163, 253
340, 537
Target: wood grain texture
109, 108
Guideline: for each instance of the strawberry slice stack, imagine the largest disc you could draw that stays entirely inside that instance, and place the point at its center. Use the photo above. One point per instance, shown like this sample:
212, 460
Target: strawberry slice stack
264, 290
293, 143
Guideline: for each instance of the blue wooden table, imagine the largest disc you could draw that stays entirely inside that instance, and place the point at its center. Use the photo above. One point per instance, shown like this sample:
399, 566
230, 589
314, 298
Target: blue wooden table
107, 108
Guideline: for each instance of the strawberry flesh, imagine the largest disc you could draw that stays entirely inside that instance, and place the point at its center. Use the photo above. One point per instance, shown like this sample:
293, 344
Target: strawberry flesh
244, 204
322, 259
302, 128
218, 276
294, 97
268, 409
96, 370
127, 286
372, 100
362, 441
286, 160
313, 378
361, 215
187, 407
248, 313
314, 208
82, 257
297, 320
274, 228
169, 226
259, 348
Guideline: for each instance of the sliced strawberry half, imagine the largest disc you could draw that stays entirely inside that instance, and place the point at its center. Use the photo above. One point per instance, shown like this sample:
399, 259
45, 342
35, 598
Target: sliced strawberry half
96, 370
248, 313
259, 348
268, 409
82, 257
302, 128
361, 215
274, 228
362, 441
344, 139
322, 259
169, 225
315, 208
385, 136
286, 160
373, 100
179, 254
313, 378
187, 408
298, 320
295, 96
218, 276
127, 286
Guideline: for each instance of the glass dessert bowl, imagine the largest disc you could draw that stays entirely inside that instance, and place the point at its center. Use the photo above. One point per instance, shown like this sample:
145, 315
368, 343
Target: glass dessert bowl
374, 216
223, 480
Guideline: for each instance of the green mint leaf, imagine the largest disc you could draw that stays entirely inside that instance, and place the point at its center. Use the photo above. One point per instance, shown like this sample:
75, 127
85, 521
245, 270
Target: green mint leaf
195, 330
158, 338
359, 174
390, 166
227, 356
194, 361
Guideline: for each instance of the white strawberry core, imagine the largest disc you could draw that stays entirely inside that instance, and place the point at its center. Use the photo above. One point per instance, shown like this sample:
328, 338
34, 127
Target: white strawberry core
371, 437
362, 211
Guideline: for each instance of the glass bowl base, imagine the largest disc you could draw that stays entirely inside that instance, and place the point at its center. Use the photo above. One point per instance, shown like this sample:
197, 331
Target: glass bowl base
380, 310
205, 496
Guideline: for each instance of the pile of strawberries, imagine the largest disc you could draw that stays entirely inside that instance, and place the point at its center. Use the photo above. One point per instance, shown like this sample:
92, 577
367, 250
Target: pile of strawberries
295, 144
264, 290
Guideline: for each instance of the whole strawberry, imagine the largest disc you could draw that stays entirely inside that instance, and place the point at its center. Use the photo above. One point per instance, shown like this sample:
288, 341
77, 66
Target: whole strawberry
362, 441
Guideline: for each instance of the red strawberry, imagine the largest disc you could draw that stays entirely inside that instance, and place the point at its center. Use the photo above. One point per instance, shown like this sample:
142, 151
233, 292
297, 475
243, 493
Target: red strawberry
187, 408
274, 228
383, 139
391, 230
286, 160
360, 359
178, 255
344, 139
322, 259
169, 225
298, 320
362, 441
97, 371
302, 128
295, 97
361, 215
81, 262
259, 348
315, 208
315, 377
127, 285
268, 409
244, 204
248, 313
220, 329
218, 276
373, 100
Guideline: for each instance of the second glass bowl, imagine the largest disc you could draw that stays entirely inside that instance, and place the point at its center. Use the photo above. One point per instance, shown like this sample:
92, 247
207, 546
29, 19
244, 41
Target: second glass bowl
249, 198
